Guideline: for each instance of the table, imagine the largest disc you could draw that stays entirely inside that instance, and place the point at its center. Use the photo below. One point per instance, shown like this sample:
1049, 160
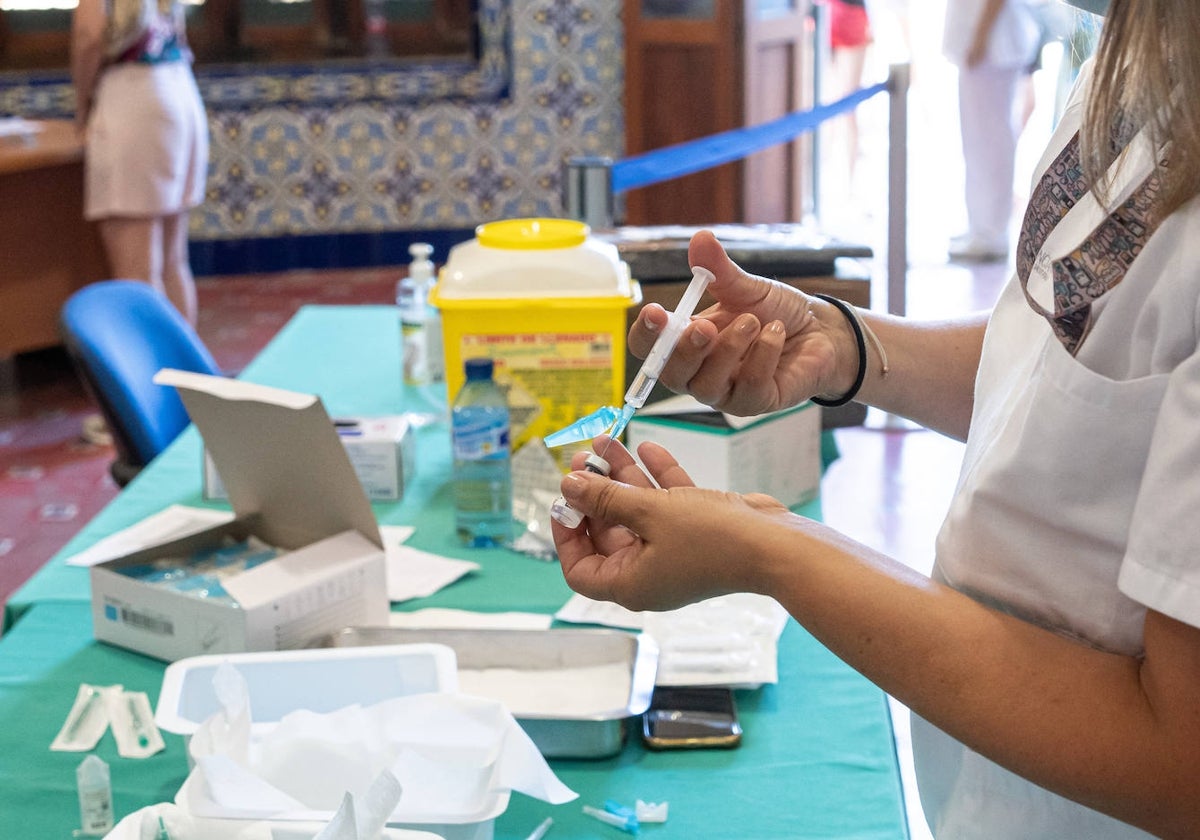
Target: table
817, 759
47, 250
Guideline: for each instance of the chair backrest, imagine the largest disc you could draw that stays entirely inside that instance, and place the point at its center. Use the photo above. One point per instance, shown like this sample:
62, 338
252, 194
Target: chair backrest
119, 333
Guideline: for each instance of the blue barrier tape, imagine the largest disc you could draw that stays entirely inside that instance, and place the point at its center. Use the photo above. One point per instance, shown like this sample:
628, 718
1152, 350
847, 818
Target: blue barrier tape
693, 156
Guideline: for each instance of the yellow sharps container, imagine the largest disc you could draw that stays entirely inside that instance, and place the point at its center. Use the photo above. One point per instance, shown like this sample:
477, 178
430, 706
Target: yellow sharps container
547, 302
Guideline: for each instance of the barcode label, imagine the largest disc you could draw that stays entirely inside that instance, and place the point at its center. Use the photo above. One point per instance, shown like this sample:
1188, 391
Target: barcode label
150, 623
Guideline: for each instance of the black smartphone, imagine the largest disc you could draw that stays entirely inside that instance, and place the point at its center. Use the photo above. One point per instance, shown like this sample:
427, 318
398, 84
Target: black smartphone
691, 718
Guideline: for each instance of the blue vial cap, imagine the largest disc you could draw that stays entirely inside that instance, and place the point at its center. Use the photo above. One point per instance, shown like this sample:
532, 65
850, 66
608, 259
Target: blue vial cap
478, 368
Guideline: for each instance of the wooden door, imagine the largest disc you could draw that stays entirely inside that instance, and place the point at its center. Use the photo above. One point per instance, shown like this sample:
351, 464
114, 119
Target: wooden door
694, 68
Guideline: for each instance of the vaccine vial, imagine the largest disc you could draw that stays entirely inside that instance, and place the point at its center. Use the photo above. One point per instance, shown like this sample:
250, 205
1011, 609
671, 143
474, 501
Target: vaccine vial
480, 437
562, 512
95, 797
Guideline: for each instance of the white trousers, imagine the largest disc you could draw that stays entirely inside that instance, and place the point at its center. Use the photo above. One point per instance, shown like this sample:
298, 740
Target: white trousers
988, 115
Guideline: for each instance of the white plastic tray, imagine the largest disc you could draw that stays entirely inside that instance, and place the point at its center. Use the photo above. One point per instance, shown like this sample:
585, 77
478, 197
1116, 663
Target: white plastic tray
319, 680
323, 680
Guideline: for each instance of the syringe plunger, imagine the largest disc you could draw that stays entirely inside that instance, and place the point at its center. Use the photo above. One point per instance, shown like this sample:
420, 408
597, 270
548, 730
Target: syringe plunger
664, 345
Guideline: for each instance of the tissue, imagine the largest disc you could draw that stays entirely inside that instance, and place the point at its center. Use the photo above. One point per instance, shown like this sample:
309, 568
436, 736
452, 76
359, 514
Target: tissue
453, 755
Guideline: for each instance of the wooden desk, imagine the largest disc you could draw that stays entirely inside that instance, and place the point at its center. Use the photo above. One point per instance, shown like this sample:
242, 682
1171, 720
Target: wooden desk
47, 250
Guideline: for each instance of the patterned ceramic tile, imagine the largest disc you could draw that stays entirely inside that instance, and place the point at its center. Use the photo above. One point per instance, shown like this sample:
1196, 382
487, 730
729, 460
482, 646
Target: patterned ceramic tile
331, 150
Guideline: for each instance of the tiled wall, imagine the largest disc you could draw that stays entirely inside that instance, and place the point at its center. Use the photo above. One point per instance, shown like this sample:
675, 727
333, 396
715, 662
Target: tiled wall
302, 153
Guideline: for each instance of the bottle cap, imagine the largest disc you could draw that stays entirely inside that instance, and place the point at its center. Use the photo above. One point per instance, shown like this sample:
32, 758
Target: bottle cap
478, 368
536, 234
596, 464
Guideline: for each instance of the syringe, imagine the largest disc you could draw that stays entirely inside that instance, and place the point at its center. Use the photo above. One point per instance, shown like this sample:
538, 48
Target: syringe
664, 345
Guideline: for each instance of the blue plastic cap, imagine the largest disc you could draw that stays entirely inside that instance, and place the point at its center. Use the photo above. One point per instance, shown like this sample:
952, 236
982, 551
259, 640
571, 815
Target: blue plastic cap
478, 368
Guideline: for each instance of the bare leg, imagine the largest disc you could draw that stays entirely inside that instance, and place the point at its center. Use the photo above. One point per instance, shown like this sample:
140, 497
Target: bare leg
177, 278
134, 249
155, 252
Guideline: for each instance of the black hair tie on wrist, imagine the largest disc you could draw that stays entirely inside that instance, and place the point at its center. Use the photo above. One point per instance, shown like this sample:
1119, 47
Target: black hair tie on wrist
861, 342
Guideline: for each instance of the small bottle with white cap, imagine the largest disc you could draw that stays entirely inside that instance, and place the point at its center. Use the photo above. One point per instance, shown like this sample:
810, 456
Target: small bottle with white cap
562, 512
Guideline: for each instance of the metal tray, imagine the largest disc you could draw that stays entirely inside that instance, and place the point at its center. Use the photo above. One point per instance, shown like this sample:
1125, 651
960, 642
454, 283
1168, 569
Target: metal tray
539, 659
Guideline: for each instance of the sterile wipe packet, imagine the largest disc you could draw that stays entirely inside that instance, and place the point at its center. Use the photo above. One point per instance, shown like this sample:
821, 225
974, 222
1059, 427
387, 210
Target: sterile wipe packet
133, 725
87, 720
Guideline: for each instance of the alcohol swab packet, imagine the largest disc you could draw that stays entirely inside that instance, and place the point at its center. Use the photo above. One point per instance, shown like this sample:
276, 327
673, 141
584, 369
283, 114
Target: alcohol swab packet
133, 725
87, 720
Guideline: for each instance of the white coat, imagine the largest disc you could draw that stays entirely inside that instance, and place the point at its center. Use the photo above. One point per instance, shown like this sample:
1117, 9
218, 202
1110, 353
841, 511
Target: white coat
1078, 494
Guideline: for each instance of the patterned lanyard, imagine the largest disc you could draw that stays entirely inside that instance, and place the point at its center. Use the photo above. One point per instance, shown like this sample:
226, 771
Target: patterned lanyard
1102, 259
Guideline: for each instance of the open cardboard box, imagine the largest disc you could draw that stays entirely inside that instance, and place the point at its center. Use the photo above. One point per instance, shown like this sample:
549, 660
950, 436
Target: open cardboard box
778, 454
291, 484
382, 451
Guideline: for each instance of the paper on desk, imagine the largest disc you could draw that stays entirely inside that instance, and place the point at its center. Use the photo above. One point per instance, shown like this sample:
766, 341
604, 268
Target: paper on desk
18, 127
412, 573
169, 523
729, 640
452, 754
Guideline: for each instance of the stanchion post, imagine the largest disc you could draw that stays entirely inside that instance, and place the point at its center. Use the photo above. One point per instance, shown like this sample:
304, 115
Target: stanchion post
897, 224
587, 191
821, 60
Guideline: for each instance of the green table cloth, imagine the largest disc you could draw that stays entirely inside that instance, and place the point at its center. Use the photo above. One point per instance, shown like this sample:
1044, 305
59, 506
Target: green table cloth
817, 758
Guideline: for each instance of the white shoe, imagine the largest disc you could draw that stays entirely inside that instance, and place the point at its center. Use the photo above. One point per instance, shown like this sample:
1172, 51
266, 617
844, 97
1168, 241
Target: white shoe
969, 248
95, 431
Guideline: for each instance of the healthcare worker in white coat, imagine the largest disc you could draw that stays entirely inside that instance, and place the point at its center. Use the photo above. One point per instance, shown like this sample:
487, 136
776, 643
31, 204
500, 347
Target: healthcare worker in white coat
1052, 660
993, 43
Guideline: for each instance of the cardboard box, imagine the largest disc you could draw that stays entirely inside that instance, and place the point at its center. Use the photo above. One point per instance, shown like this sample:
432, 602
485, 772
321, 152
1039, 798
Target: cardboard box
381, 450
291, 485
778, 454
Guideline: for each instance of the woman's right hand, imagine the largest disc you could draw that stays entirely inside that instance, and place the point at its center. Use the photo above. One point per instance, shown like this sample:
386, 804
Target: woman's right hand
764, 346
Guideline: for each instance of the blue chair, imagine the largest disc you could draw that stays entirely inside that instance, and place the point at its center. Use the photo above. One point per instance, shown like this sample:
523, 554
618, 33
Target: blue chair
118, 334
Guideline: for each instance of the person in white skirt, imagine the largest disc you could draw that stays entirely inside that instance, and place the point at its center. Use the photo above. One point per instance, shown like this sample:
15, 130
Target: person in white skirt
145, 138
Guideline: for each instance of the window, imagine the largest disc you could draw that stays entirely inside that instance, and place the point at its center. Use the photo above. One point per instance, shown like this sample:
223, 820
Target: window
35, 34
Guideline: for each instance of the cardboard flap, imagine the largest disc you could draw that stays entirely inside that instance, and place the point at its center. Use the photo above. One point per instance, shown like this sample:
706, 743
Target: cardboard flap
279, 456
687, 404
263, 584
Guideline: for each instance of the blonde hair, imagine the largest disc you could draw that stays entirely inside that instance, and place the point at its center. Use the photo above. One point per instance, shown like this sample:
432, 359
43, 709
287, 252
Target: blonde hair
1148, 71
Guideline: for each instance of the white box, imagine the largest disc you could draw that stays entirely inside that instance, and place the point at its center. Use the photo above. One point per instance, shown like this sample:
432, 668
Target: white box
778, 454
381, 450
291, 485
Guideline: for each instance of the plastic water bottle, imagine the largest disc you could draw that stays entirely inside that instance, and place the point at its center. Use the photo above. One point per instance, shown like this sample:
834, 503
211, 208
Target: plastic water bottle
479, 428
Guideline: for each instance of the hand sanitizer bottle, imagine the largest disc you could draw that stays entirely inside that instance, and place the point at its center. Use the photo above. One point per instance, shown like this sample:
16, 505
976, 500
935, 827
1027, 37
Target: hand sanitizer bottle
422, 274
410, 300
